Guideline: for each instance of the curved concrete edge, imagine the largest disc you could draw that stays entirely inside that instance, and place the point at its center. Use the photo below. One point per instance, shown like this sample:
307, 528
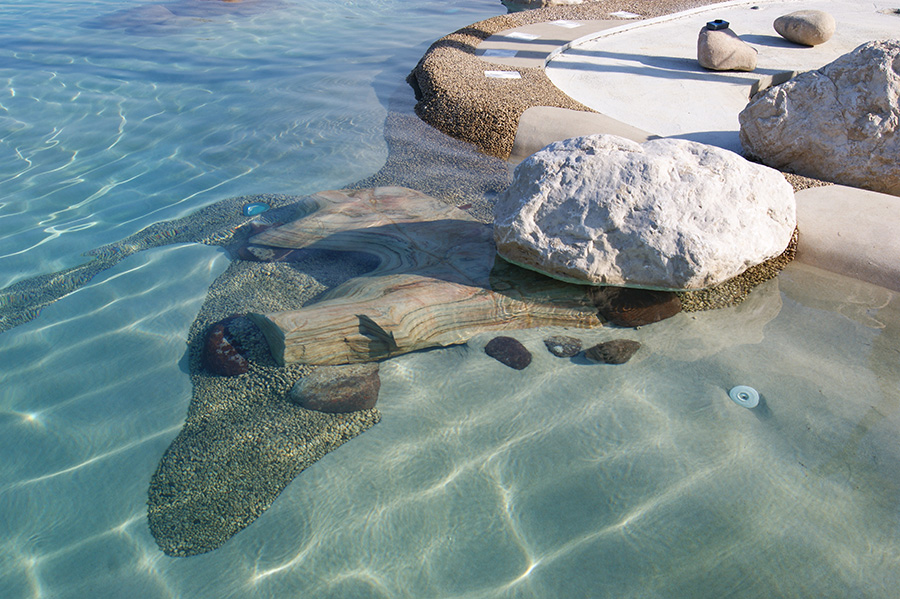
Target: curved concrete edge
529, 46
542, 125
630, 25
852, 232
456, 97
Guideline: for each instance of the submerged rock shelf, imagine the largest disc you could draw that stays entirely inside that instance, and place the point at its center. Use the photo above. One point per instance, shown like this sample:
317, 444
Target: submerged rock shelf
438, 283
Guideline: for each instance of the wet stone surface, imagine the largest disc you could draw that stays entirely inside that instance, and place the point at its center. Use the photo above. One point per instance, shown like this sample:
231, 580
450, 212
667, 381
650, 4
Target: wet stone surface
509, 351
563, 346
338, 389
617, 351
222, 352
628, 307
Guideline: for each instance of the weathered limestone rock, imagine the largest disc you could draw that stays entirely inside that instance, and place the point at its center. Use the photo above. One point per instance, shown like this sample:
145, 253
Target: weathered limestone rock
338, 389
807, 27
839, 123
723, 50
668, 214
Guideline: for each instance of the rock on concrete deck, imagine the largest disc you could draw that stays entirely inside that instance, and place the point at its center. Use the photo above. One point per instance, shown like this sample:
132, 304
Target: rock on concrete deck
643, 77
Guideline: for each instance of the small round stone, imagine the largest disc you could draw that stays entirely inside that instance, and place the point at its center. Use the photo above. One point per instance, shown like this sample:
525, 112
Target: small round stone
627, 307
563, 346
509, 351
617, 351
338, 389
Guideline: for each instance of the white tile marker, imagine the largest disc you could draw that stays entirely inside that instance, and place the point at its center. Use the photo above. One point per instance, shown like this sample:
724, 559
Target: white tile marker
521, 35
502, 74
624, 14
566, 24
500, 52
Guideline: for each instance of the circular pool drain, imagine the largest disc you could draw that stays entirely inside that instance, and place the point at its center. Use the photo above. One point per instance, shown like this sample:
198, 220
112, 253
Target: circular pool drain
744, 396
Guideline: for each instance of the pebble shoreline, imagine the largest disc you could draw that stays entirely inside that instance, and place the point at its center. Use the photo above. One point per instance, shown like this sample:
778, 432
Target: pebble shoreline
456, 98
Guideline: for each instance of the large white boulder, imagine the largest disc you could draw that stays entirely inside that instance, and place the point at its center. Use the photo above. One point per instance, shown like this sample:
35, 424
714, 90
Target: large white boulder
666, 214
838, 123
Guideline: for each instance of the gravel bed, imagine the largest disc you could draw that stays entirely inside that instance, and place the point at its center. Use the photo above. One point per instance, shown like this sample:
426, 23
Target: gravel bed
456, 98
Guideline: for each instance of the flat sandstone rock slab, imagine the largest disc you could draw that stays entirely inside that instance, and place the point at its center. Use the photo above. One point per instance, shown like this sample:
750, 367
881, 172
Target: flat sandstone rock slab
437, 283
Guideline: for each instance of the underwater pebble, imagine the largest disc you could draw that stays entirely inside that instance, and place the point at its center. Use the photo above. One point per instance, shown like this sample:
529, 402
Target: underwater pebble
617, 351
220, 356
627, 307
338, 389
509, 351
563, 346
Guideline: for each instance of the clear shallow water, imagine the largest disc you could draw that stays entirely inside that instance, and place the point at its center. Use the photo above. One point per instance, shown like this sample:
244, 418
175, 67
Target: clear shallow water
564, 480
109, 128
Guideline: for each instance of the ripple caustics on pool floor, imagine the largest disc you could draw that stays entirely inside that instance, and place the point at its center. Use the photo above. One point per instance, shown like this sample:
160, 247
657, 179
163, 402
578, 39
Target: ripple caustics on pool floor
480, 481
593, 481
109, 134
566, 479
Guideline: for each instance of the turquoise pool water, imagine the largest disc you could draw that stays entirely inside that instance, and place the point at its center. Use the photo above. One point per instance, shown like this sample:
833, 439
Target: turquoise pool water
109, 127
563, 480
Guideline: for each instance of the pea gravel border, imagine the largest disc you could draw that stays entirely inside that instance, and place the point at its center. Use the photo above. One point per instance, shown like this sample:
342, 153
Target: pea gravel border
456, 98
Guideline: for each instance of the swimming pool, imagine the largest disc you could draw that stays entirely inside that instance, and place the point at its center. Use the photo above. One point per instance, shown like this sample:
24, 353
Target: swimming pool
564, 480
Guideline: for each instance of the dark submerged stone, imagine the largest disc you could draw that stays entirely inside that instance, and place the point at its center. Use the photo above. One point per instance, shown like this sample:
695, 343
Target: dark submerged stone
338, 389
629, 307
221, 354
617, 351
508, 351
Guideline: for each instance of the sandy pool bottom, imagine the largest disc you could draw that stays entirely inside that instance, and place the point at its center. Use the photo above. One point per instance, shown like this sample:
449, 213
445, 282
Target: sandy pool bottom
574, 479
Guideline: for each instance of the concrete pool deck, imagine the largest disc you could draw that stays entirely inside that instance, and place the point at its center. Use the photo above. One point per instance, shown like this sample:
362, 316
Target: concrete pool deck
602, 65
656, 60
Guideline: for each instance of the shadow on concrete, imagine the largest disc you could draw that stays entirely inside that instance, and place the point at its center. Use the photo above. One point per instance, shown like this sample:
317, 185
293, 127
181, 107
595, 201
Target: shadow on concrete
668, 67
772, 41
